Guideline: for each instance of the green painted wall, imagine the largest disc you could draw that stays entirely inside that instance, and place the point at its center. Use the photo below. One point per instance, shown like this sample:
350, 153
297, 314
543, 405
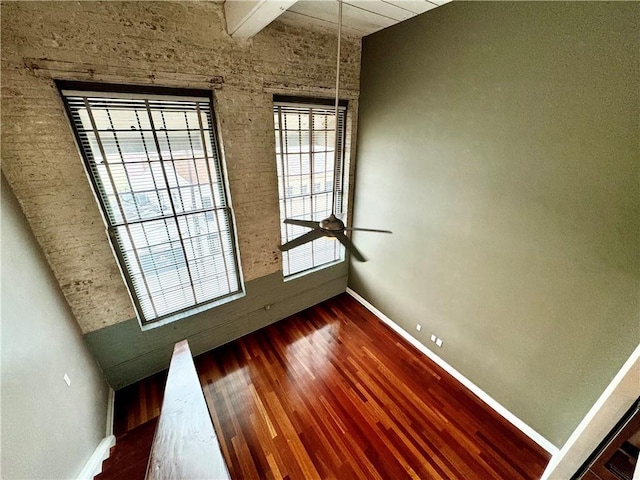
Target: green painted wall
127, 354
499, 141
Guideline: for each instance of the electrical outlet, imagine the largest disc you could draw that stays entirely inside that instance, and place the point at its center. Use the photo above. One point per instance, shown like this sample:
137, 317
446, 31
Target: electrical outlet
433, 338
418, 327
67, 380
439, 342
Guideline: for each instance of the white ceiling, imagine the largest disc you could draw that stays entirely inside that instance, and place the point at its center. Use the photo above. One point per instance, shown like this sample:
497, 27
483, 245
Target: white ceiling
359, 17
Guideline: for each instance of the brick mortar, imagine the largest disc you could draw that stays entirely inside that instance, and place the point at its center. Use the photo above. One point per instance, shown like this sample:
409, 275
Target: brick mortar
164, 43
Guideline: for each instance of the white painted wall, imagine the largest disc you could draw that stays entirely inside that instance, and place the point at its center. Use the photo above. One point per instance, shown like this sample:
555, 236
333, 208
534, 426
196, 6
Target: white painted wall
49, 430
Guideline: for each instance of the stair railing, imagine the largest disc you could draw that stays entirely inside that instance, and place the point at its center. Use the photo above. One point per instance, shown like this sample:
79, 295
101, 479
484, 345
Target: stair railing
185, 445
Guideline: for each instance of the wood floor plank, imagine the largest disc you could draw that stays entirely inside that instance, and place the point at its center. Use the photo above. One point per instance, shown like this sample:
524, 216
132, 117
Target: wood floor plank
332, 392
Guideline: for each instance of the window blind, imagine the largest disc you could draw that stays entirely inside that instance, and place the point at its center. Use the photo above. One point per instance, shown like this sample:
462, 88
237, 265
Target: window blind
153, 161
305, 162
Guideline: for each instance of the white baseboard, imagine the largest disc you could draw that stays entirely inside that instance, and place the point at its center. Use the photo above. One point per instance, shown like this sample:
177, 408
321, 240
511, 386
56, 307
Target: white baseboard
94, 465
485, 397
111, 406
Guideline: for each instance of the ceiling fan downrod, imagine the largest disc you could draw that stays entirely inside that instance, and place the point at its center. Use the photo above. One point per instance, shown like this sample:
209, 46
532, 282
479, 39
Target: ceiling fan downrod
331, 226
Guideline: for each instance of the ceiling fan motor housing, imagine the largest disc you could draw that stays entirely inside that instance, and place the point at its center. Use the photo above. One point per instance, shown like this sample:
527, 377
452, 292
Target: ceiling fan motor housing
332, 224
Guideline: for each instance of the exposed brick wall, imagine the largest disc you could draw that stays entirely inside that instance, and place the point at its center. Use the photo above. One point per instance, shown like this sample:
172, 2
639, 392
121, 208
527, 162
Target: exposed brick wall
163, 43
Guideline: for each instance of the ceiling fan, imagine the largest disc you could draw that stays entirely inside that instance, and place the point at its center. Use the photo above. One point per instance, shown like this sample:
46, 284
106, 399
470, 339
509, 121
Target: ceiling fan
331, 226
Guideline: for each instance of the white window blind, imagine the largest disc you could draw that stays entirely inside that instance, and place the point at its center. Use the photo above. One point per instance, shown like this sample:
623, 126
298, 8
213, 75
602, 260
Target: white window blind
305, 162
154, 163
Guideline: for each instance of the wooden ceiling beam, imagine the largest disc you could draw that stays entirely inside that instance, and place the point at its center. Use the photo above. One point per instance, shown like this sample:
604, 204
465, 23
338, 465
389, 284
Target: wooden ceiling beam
245, 18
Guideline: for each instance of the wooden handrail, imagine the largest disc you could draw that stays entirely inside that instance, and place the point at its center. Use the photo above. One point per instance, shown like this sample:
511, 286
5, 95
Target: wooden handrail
185, 445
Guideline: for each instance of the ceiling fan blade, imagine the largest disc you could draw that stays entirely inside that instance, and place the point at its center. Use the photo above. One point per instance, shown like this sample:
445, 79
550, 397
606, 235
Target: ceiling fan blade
349, 246
354, 229
302, 223
301, 240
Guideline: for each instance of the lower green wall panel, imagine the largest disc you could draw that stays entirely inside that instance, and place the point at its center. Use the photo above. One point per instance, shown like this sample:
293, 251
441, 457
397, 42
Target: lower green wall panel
128, 354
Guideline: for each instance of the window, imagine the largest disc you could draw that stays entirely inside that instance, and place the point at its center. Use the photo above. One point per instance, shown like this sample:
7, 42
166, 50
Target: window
305, 159
154, 164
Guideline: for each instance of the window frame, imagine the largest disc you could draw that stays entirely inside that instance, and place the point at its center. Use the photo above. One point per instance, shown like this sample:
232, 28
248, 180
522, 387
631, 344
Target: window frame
217, 162
324, 104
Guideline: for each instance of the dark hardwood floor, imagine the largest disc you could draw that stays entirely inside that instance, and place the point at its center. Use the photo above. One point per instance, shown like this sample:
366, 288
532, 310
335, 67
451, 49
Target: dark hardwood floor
332, 392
